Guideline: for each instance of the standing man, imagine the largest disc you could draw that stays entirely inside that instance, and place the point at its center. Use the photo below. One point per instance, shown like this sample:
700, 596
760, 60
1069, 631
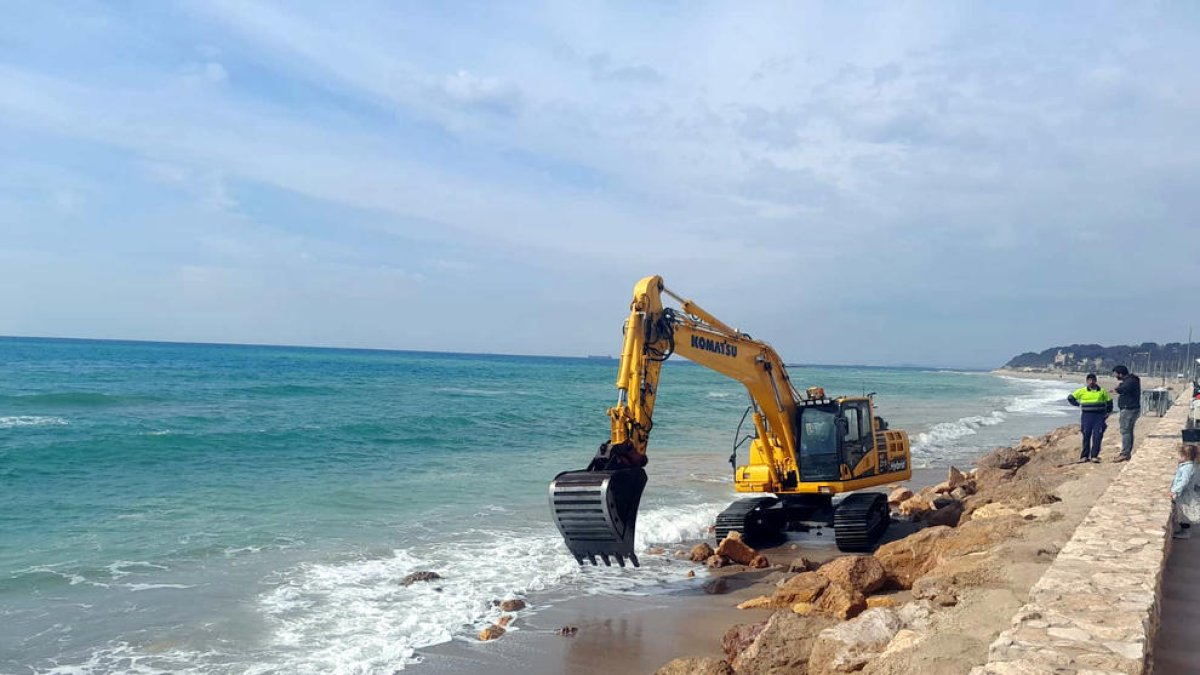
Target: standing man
1129, 400
1095, 404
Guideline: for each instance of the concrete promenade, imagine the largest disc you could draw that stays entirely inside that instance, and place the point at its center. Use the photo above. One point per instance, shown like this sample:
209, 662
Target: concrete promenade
1096, 609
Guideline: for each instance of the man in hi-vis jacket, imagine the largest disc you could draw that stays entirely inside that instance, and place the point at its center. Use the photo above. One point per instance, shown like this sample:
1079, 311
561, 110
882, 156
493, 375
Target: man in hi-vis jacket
1095, 404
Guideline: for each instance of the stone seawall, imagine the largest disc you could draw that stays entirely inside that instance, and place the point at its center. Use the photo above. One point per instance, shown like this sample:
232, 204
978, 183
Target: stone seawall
1096, 608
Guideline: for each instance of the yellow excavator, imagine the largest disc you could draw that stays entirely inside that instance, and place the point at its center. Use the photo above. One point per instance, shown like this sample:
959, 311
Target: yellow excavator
805, 449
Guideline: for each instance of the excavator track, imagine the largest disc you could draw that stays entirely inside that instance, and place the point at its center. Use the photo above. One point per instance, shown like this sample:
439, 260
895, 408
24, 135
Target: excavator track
596, 512
860, 520
746, 516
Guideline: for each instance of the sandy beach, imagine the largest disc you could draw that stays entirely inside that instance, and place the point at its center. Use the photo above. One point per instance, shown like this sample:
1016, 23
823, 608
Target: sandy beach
623, 634
1016, 521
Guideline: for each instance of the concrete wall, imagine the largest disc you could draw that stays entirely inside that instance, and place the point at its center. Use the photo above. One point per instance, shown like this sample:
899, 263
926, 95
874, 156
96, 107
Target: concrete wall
1096, 609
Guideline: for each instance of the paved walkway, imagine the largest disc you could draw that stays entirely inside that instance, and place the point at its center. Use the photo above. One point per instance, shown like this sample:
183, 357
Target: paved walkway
1177, 645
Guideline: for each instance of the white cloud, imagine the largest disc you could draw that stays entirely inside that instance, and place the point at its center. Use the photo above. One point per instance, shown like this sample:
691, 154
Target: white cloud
762, 144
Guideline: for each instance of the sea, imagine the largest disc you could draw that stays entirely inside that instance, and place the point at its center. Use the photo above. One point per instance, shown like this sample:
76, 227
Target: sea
192, 508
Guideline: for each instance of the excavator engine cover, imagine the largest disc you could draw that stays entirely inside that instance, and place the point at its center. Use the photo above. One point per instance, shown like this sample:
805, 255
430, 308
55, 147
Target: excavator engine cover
596, 512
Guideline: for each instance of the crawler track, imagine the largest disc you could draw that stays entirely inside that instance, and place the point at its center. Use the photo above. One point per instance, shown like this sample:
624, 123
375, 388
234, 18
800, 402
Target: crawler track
860, 520
747, 516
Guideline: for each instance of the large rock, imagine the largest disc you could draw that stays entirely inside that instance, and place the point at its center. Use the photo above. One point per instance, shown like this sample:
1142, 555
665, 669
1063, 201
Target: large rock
804, 587
701, 552
783, 645
993, 510
956, 478
916, 615
945, 584
905, 560
1023, 493
862, 573
761, 602
912, 557
738, 638
695, 665
841, 602
735, 549
898, 495
847, 647
414, 577
948, 515
915, 506
715, 561
1003, 458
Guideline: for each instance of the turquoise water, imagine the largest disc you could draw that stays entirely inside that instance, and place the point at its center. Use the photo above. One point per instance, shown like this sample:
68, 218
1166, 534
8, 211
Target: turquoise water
209, 508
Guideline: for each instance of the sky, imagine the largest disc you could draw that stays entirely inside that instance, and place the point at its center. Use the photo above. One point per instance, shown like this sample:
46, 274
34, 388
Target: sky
857, 183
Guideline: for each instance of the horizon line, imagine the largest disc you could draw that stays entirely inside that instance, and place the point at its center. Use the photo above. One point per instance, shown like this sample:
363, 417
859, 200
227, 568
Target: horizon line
582, 357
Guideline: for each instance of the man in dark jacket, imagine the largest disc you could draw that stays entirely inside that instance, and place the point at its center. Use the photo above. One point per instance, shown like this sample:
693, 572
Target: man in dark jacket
1129, 400
1095, 404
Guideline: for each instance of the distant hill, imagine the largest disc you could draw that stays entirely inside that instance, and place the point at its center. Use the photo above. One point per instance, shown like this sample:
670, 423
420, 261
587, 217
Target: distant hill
1146, 358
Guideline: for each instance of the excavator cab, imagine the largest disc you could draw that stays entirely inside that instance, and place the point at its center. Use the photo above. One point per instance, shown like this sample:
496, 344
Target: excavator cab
832, 435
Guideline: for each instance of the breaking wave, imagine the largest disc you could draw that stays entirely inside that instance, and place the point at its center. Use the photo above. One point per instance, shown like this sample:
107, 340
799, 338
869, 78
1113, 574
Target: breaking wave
31, 421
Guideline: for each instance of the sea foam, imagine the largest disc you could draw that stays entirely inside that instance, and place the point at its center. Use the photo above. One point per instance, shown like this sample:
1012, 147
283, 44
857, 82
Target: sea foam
31, 421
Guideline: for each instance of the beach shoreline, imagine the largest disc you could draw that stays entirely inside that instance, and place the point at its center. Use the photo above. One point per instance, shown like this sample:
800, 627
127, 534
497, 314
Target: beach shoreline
621, 633
639, 633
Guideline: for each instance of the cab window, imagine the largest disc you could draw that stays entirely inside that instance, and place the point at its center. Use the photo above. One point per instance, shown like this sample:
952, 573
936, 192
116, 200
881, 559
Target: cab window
819, 457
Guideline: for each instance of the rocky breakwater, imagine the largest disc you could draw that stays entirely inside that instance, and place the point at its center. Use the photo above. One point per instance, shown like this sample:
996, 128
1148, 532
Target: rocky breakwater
1096, 609
932, 601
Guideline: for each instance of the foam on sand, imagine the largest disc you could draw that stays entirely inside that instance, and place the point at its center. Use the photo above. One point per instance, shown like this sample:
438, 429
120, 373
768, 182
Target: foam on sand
358, 616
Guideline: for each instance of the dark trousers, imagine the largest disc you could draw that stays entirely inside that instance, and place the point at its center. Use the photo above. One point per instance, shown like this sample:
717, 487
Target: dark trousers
1093, 426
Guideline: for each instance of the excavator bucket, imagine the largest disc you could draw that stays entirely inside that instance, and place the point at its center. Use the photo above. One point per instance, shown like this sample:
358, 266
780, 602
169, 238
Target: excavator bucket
596, 512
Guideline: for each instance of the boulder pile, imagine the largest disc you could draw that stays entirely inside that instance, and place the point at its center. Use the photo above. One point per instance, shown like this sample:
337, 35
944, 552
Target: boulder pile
845, 615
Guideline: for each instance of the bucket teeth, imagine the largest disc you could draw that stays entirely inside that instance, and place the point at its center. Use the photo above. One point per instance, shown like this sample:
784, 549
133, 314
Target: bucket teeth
596, 512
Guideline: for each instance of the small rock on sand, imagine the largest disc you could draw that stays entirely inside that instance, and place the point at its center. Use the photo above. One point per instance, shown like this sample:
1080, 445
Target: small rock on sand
514, 605
735, 549
801, 565
759, 562
490, 633
701, 552
568, 631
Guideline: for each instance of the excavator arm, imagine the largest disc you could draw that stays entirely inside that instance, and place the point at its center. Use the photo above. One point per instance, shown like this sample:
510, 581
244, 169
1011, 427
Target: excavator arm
596, 509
